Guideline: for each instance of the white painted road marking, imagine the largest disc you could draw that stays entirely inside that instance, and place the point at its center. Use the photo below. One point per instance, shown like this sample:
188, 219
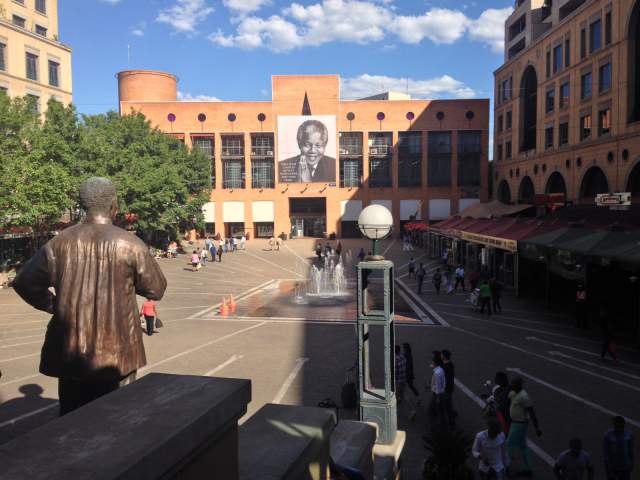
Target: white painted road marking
292, 376
389, 247
28, 377
13, 420
587, 352
20, 344
423, 304
416, 309
241, 295
232, 359
592, 364
548, 459
2, 360
589, 403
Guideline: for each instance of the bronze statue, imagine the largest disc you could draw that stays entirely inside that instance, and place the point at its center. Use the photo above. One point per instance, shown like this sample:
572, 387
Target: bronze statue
93, 342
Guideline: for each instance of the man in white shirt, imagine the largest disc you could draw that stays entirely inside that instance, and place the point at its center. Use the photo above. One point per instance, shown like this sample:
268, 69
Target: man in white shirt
459, 278
438, 384
489, 448
243, 242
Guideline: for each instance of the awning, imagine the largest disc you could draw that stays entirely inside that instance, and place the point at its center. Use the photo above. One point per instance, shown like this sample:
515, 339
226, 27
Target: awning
262, 211
493, 209
233, 212
536, 248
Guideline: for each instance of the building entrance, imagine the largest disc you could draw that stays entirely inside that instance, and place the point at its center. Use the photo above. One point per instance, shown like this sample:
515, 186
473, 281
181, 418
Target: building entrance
308, 217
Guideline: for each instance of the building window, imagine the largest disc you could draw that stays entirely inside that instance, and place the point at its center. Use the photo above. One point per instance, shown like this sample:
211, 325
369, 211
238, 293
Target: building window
607, 28
506, 89
528, 109
41, 6
500, 123
380, 157
507, 150
350, 172
563, 133
583, 43
564, 95
548, 138
567, 52
548, 64
499, 153
585, 86
605, 78
585, 127
469, 158
550, 101
34, 103
595, 36
233, 175
32, 66
604, 122
263, 173
205, 145
54, 73
4, 90
409, 159
557, 59
18, 21
351, 143
40, 30
633, 62
508, 121
439, 163
233, 146
3, 61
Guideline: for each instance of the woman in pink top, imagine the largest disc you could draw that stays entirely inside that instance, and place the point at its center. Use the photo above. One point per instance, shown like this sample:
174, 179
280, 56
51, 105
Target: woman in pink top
149, 312
195, 261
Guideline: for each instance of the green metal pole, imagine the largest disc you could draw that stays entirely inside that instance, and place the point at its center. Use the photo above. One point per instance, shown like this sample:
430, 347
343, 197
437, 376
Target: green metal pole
375, 248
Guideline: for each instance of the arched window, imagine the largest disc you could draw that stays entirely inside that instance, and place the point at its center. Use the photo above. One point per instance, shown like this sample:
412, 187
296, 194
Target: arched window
593, 183
526, 192
528, 109
504, 192
556, 184
633, 104
633, 182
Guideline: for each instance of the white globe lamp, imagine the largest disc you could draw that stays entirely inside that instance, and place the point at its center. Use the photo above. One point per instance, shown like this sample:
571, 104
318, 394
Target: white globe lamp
375, 223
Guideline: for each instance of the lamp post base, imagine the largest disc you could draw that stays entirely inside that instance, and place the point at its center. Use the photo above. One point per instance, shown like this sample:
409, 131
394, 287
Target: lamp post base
373, 258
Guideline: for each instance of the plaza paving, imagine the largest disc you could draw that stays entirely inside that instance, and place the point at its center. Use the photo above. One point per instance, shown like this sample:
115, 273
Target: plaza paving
300, 355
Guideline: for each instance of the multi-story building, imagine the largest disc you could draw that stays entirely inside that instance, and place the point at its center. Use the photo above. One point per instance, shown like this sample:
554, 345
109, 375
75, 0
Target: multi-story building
307, 162
567, 101
33, 61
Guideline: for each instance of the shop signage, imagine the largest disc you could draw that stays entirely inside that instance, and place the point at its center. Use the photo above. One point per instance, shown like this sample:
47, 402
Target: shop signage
613, 199
495, 242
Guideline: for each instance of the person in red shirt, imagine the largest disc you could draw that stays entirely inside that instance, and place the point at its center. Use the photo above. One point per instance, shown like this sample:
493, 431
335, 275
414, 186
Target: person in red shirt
149, 312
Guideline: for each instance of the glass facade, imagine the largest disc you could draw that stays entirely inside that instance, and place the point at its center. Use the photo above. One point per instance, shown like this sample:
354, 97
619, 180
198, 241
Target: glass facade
469, 158
409, 159
439, 159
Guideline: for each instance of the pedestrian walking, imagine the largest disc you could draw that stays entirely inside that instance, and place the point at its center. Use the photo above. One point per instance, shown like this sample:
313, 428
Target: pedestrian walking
220, 250
437, 280
445, 256
618, 451
278, 243
489, 448
212, 251
195, 261
448, 281
500, 394
450, 378
608, 346
207, 243
438, 385
521, 411
361, 254
243, 242
412, 268
400, 373
420, 276
581, 307
222, 243
319, 251
485, 297
574, 464
496, 293
149, 313
459, 274
235, 243
203, 256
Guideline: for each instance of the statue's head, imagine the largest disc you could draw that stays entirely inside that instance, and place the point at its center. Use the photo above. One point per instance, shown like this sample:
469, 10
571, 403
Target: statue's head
98, 197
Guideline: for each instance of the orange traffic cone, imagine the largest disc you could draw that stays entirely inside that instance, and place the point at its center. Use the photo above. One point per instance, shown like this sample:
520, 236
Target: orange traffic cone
224, 309
232, 304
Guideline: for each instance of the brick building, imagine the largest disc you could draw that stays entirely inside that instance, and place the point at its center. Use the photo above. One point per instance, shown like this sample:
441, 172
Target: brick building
33, 61
567, 108
423, 159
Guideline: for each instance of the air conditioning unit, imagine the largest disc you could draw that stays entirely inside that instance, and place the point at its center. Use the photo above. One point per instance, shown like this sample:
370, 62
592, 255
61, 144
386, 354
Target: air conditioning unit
343, 151
270, 153
373, 151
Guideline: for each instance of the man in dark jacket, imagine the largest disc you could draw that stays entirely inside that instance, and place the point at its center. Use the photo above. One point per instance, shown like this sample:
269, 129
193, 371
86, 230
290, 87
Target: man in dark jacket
312, 165
93, 343
450, 377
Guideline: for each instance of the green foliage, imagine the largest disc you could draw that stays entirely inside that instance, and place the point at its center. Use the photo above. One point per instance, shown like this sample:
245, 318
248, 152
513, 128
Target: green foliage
449, 454
159, 181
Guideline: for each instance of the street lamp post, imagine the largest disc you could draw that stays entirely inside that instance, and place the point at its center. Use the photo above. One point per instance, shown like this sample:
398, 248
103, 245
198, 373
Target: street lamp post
375, 312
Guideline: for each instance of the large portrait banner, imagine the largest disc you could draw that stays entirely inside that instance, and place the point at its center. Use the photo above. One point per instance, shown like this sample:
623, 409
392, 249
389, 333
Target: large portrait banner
306, 149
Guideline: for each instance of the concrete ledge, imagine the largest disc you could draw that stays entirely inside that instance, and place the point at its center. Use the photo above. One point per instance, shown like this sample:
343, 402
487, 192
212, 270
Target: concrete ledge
286, 442
387, 463
352, 446
162, 426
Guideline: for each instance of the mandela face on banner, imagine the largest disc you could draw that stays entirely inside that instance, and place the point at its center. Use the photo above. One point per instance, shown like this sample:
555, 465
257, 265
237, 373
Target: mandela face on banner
306, 149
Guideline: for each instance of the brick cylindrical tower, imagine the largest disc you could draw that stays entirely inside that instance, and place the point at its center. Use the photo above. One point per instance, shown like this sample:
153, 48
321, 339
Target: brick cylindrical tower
147, 86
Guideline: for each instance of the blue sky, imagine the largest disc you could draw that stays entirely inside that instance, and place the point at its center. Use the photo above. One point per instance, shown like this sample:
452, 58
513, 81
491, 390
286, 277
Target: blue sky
228, 49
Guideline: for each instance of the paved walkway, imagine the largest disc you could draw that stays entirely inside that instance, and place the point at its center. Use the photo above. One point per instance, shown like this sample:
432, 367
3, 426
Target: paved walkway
298, 359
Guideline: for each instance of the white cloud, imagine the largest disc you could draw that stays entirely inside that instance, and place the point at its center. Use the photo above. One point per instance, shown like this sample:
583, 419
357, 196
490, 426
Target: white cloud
245, 6
489, 28
185, 15
139, 29
111, 2
187, 97
354, 21
367, 85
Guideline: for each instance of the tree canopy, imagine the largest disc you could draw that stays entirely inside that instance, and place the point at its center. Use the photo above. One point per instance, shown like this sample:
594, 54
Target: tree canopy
161, 184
